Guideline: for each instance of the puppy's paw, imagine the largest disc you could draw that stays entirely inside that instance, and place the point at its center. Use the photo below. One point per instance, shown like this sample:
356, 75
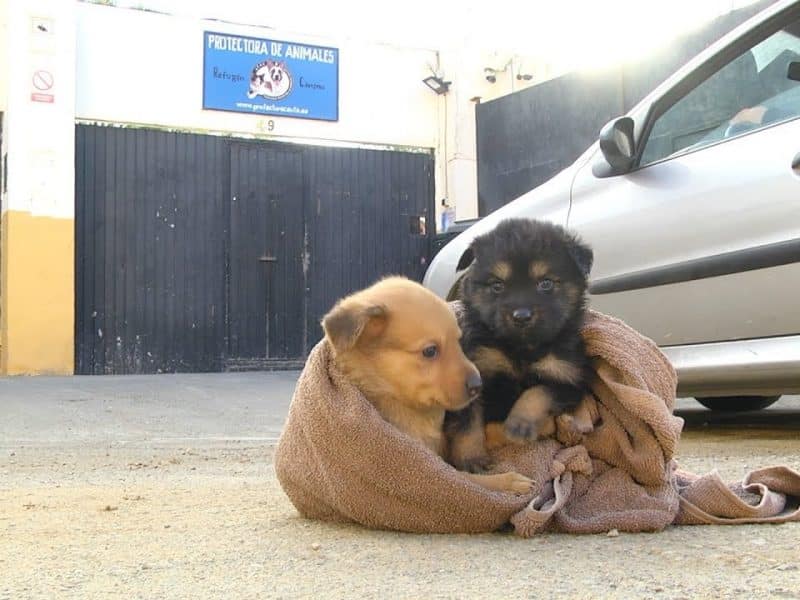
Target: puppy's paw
529, 414
475, 464
516, 483
496, 436
519, 429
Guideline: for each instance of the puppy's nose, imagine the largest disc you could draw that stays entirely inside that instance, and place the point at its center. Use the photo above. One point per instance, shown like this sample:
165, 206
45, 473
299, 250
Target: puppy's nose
474, 385
521, 315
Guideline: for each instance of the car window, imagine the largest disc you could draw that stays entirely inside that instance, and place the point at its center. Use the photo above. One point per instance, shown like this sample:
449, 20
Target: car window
756, 89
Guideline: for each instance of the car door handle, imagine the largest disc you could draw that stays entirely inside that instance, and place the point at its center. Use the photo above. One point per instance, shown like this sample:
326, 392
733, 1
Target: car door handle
796, 161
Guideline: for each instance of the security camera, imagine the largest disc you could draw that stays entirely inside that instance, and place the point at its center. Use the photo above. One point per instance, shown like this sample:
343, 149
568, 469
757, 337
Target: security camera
490, 74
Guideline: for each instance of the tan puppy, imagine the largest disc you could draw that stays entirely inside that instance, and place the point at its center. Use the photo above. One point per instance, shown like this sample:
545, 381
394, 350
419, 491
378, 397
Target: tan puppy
399, 344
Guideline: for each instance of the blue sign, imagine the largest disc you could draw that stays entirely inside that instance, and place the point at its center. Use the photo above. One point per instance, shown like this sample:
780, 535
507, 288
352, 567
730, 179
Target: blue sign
269, 77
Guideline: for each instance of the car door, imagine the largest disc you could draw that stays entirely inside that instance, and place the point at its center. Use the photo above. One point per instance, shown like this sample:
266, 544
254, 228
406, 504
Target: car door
701, 241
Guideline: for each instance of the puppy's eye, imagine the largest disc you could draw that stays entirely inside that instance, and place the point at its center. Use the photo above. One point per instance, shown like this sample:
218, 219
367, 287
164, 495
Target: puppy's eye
431, 351
545, 285
497, 286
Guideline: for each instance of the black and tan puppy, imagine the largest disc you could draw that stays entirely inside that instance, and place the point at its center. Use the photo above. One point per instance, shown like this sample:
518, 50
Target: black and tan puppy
524, 304
399, 344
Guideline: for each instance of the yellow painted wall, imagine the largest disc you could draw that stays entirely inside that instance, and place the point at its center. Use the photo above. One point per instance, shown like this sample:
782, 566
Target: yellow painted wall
37, 302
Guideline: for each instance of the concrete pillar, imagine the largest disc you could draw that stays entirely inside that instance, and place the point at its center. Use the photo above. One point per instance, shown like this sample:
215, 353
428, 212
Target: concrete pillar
37, 294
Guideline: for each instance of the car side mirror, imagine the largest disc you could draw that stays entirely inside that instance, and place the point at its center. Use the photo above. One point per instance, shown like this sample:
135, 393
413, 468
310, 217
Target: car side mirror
616, 144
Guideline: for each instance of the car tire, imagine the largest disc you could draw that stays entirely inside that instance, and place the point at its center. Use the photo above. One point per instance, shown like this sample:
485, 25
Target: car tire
738, 403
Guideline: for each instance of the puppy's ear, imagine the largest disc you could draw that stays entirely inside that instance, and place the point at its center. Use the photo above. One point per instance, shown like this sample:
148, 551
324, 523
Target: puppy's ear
581, 254
349, 321
466, 259
476, 249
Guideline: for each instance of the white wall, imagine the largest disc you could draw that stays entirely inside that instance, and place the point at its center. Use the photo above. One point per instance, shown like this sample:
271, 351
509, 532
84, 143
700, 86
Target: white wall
3, 93
39, 136
141, 67
3, 53
146, 68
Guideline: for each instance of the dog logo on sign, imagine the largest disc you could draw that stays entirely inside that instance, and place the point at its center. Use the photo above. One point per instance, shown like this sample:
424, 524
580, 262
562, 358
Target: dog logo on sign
270, 79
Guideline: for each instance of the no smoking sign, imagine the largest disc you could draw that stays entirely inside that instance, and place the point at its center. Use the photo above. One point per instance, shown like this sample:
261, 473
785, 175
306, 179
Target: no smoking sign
42, 81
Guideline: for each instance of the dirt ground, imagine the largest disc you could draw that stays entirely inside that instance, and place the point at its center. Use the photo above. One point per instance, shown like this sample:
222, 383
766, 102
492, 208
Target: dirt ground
193, 516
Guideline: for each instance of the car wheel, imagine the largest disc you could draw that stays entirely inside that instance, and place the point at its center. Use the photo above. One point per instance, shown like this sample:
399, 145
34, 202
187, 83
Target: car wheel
738, 403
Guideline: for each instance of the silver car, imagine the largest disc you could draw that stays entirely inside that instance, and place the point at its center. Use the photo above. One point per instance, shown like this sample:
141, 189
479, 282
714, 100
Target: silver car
692, 205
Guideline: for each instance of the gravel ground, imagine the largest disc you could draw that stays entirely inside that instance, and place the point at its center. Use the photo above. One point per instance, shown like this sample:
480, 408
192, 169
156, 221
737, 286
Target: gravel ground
164, 490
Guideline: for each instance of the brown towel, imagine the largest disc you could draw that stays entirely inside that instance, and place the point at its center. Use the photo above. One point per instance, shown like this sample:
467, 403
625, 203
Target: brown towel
609, 467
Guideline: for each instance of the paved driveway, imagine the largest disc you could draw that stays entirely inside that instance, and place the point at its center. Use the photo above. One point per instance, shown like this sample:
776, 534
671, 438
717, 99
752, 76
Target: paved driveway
162, 487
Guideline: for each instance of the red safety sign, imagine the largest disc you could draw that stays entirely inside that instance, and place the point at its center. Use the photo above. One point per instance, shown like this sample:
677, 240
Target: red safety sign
42, 90
43, 80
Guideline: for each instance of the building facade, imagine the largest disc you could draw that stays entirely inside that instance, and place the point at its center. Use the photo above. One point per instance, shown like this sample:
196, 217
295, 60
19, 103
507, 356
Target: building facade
165, 208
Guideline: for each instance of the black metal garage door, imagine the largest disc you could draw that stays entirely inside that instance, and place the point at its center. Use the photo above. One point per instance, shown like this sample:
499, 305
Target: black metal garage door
202, 253
266, 261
